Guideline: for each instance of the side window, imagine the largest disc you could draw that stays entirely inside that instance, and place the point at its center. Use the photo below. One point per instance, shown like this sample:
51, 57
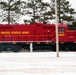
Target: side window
61, 30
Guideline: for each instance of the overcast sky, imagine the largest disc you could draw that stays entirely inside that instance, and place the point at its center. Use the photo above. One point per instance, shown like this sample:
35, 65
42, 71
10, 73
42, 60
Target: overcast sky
72, 2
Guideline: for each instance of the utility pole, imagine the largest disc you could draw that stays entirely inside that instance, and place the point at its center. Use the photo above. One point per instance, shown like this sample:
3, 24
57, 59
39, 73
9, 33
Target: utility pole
57, 39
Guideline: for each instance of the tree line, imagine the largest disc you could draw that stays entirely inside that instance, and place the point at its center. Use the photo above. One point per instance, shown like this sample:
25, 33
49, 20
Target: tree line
38, 11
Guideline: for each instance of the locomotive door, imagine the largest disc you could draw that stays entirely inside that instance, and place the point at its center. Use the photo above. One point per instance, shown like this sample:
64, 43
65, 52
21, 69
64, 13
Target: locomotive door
38, 33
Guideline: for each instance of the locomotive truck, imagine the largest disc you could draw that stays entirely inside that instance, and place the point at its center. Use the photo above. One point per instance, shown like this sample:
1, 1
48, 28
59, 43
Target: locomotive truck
15, 37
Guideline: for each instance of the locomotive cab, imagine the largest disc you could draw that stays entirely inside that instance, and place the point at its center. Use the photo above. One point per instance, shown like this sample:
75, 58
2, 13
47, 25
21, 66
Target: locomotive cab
62, 32
62, 28
66, 38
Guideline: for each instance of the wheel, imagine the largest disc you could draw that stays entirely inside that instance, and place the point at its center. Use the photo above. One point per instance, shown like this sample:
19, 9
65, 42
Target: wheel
2, 48
54, 48
16, 48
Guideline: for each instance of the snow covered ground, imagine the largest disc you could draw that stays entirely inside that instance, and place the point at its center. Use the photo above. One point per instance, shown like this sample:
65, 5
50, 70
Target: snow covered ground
37, 63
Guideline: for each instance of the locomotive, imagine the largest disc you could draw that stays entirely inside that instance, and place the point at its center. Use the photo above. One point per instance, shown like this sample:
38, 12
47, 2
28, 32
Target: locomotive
43, 36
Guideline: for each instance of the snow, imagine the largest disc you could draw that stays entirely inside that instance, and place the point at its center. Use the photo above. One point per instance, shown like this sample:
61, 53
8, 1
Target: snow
37, 63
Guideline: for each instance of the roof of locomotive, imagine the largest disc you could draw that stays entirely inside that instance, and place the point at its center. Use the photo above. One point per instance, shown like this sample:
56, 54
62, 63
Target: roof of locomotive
39, 24
62, 25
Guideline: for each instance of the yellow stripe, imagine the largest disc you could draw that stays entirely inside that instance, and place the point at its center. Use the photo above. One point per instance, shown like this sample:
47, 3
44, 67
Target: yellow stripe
60, 34
47, 42
62, 42
14, 42
27, 42
38, 42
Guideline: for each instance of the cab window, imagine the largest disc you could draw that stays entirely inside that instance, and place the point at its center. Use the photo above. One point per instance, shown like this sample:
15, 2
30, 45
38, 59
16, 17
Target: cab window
61, 30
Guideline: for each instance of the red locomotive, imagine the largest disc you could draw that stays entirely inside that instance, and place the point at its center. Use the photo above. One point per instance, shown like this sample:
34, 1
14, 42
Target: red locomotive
15, 37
